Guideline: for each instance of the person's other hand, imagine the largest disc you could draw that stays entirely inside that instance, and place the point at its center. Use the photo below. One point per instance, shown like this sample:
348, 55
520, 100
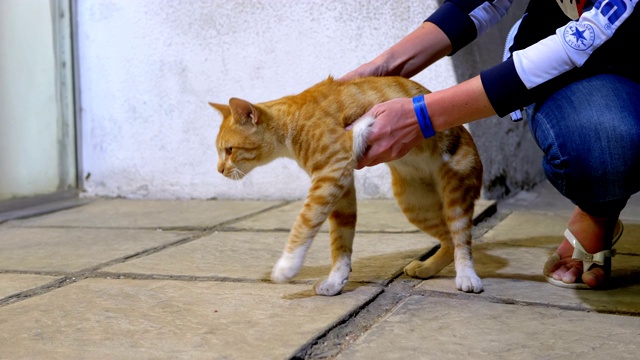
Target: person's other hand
364, 70
394, 132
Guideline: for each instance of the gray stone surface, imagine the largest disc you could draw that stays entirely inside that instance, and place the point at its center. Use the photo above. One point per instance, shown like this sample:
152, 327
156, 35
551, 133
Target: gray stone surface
439, 328
68, 250
14, 283
146, 319
165, 214
544, 198
373, 216
510, 257
510, 157
251, 255
99, 281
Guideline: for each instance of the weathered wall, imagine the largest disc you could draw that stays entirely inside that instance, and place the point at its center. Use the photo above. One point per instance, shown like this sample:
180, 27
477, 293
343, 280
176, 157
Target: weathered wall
148, 69
509, 154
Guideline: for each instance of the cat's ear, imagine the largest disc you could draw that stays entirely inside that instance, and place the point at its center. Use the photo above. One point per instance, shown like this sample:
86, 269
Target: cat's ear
223, 109
244, 111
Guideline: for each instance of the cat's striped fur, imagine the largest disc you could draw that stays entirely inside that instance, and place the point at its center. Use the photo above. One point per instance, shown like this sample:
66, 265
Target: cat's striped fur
436, 184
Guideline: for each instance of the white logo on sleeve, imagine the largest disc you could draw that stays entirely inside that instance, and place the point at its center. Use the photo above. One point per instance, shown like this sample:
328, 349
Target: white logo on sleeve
579, 36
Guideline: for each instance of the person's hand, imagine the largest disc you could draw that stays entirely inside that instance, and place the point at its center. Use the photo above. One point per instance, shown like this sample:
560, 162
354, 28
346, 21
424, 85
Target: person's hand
394, 132
369, 69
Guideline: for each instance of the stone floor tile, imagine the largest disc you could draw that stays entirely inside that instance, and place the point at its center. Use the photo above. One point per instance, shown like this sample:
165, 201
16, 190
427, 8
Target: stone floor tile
148, 319
527, 226
440, 328
521, 228
166, 214
544, 198
373, 216
527, 285
511, 256
251, 255
73, 249
14, 283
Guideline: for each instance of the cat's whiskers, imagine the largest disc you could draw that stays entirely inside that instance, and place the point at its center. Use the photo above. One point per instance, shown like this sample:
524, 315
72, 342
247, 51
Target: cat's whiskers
237, 174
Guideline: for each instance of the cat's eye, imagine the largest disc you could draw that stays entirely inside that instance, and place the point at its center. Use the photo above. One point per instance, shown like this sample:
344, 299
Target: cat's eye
228, 150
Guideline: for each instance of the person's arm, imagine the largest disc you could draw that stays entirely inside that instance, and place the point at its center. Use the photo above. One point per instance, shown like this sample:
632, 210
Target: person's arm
515, 82
497, 90
409, 56
451, 27
396, 130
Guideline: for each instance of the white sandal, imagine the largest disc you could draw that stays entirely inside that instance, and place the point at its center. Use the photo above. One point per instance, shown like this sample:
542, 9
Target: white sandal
579, 253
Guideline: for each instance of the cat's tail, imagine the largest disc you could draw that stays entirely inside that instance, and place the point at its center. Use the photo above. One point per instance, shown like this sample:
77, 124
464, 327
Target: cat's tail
361, 130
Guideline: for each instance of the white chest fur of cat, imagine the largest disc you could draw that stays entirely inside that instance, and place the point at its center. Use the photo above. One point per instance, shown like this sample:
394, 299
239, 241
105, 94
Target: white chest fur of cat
436, 184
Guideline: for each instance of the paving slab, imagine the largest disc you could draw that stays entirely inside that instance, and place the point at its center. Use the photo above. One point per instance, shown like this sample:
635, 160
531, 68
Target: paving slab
522, 228
382, 215
251, 255
510, 257
165, 214
74, 249
149, 319
545, 198
14, 283
441, 328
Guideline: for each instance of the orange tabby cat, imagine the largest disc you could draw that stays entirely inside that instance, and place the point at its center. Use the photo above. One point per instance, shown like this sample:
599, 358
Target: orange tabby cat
436, 184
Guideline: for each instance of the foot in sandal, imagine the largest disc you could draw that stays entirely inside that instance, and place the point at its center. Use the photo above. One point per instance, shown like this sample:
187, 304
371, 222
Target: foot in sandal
583, 259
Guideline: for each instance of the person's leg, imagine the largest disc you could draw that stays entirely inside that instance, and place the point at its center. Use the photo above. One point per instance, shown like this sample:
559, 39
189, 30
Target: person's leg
590, 135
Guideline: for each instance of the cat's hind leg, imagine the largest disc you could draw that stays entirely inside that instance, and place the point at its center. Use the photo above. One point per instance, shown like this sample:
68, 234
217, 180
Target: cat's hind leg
466, 278
458, 198
343, 228
420, 203
425, 213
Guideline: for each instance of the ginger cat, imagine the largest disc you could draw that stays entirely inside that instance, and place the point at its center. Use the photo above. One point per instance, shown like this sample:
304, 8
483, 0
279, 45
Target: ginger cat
435, 184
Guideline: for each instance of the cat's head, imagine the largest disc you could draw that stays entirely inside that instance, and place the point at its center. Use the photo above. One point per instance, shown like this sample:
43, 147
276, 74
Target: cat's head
242, 141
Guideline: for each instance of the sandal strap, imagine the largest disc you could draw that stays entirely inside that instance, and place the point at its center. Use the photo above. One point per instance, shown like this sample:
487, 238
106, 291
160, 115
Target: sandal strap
579, 253
617, 232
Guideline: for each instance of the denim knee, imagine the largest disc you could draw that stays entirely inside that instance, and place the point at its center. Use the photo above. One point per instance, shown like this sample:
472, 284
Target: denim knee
590, 135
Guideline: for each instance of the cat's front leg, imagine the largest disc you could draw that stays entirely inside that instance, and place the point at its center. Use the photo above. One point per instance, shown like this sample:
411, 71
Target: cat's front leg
328, 186
337, 279
343, 229
288, 265
305, 228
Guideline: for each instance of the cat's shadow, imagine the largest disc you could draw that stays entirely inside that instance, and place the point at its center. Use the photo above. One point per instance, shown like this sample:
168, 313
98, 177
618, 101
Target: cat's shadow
493, 259
375, 270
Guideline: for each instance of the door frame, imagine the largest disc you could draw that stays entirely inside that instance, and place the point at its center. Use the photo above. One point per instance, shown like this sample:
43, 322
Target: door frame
67, 77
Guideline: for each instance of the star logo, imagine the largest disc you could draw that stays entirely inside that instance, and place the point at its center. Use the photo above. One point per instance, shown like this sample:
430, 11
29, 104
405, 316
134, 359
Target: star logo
579, 36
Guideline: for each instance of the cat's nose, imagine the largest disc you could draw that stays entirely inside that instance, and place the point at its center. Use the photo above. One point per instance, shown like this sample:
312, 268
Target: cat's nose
221, 168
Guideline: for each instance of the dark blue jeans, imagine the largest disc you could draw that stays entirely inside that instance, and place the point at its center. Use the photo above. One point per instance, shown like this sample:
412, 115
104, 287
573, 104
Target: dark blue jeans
589, 132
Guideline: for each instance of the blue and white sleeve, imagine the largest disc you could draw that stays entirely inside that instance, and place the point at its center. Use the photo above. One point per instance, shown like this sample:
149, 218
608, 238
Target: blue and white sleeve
464, 21
508, 85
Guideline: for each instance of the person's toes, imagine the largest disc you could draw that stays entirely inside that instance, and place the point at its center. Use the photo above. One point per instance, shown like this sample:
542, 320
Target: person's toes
593, 277
558, 274
570, 276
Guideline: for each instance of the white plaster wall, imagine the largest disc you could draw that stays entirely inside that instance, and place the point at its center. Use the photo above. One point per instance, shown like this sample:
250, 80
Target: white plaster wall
149, 67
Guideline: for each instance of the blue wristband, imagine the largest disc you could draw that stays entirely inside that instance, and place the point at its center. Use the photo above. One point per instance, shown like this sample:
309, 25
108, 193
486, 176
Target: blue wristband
423, 116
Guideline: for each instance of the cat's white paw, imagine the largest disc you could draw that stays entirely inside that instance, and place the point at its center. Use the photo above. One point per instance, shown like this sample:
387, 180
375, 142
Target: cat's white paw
327, 287
468, 281
287, 267
337, 279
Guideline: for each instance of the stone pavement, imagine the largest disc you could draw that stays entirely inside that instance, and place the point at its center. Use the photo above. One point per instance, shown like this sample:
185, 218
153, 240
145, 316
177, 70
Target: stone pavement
133, 279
